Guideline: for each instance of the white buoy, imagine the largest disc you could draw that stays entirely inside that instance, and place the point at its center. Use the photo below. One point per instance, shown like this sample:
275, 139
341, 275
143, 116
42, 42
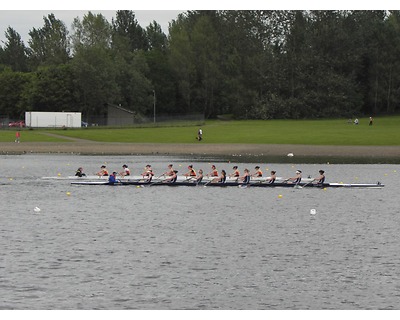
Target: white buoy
290, 155
36, 209
313, 211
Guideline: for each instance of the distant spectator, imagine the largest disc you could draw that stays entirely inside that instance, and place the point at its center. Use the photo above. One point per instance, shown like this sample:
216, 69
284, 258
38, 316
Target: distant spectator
17, 136
200, 135
370, 121
356, 121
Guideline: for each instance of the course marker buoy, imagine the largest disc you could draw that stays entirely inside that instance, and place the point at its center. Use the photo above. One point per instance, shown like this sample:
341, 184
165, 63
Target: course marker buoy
313, 211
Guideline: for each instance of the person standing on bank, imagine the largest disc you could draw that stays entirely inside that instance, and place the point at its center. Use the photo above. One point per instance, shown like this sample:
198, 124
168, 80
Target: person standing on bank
17, 136
200, 135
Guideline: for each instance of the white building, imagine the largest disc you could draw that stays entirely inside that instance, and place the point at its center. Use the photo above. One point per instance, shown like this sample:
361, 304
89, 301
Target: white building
35, 119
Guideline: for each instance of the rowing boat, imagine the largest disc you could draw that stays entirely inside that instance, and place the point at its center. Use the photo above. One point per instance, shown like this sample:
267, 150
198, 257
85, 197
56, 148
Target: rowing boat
253, 184
156, 179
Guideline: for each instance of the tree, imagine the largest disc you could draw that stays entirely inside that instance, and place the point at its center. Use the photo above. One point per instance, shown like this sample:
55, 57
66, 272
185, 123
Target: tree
49, 45
156, 39
160, 72
14, 52
127, 33
14, 87
182, 62
205, 43
93, 31
53, 88
92, 63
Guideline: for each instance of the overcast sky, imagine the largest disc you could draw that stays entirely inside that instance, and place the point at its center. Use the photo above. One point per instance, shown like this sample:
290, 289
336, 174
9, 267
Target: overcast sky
23, 15
23, 21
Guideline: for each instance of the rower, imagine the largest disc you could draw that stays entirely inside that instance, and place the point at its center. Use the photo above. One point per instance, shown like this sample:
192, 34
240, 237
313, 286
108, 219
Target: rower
235, 173
148, 173
257, 173
191, 172
79, 172
199, 176
214, 172
221, 178
103, 171
272, 178
295, 179
169, 172
321, 178
172, 178
125, 172
246, 177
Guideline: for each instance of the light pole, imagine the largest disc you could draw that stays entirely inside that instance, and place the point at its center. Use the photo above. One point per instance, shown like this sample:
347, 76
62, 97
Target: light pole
154, 102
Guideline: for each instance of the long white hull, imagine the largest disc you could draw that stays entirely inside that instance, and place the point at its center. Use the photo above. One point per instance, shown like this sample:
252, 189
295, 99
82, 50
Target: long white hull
156, 178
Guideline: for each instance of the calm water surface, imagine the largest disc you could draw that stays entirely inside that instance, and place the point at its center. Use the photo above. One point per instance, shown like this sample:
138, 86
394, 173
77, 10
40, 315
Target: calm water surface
102, 247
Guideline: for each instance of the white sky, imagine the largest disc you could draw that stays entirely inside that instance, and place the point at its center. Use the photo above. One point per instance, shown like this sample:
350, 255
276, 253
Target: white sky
23, 21
24, 15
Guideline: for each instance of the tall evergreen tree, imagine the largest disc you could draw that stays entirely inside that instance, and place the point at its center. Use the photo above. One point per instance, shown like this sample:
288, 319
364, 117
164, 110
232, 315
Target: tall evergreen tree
49, 45
14, 51
93, 64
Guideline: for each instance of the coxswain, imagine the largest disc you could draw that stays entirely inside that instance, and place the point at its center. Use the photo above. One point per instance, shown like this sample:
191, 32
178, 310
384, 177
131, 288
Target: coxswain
235, 173
125, 171
112, 178
79, 172
191, 172
296, 179
258, 173
103, 171
321, 178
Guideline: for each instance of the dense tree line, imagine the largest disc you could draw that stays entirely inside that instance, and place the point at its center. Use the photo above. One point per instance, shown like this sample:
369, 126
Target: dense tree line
251, 64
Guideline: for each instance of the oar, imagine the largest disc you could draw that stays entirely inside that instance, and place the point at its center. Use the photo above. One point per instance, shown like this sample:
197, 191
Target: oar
301, 187
207, 183
308, 183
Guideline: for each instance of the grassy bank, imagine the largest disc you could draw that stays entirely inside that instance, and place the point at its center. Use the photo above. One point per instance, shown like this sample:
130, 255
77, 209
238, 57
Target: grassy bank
384, 132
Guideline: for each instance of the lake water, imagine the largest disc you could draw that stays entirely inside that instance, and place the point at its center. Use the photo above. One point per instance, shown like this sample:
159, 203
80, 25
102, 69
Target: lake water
123, 247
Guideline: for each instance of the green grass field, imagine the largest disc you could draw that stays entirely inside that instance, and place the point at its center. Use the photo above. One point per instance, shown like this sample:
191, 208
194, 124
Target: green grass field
384, 131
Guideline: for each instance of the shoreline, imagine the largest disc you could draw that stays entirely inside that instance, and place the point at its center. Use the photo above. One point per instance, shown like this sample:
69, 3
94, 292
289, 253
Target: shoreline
365, 153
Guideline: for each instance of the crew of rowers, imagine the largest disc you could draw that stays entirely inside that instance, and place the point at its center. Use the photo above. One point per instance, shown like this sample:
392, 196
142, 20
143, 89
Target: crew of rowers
191, 175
